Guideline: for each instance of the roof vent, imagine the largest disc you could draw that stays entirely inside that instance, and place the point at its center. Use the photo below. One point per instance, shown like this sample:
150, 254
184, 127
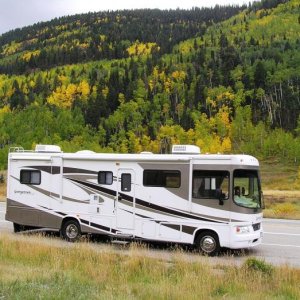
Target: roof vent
146, 152
185, 149
86, 152
47, 148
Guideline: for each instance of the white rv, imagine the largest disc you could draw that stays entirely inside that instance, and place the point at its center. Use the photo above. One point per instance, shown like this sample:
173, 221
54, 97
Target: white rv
210, 201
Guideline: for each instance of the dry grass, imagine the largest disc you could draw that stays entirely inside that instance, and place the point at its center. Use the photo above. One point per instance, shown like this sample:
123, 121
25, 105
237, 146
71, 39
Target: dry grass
282, 204
279, 177
281, 186
80, 272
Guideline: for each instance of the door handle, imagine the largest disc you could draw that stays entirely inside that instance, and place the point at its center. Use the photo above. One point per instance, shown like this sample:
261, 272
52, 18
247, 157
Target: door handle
119, 197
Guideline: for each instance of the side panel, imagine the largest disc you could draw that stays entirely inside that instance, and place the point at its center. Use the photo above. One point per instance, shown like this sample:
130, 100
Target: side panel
29, 204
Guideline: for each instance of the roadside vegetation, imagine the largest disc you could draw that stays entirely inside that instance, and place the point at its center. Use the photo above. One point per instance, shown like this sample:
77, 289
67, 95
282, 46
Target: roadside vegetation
29, 268
281, 188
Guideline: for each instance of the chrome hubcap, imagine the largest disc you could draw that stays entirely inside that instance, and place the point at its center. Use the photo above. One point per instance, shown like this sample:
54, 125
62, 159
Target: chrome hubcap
72, 231
208, 244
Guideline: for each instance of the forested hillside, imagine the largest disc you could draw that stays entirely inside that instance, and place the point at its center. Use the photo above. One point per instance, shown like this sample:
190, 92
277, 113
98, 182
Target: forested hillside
224, 78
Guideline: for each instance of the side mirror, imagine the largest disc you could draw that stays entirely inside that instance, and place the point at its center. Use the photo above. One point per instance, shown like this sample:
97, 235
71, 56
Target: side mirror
262, 200
220, 196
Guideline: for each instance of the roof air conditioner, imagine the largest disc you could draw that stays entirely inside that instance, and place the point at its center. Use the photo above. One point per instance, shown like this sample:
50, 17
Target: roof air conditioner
185, 149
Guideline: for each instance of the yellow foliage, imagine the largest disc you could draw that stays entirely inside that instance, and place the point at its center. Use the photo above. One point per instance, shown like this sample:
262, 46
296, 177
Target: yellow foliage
121, 98
168, 85
134, 143
201, 144
223, 116
31, 83
179, 75
225, 96
226, 145
64, 96
58, 98
11, 48
185, 47
102, 37
63, 79
215, 145
84, 89
5, 109
94, 91
141, 48
27, 55
154, 146
151, 84
105, 91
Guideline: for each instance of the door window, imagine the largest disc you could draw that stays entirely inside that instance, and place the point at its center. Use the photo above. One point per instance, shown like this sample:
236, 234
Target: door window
126, 182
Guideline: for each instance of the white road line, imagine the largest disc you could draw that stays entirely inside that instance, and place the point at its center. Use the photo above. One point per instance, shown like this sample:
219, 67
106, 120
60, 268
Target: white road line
282, 233
280, 245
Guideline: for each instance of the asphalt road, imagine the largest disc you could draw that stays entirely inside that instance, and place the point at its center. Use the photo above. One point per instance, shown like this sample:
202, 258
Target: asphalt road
281, 245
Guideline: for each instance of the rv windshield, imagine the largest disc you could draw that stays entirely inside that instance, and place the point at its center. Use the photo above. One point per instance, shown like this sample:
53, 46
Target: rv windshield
246, 188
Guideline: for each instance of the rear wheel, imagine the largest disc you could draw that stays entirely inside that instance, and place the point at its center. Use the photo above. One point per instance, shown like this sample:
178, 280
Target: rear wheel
208, 243
70, 231
17, 227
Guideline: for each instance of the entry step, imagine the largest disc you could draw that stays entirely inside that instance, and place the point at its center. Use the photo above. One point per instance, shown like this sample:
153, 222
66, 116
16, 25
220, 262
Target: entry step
120, 242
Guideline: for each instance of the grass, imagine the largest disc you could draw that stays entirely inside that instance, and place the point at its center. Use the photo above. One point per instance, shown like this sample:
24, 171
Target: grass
281, 187
30, 270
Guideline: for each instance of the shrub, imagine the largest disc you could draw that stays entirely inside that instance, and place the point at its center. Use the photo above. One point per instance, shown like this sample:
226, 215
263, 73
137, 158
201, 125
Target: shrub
284, 209
254, 264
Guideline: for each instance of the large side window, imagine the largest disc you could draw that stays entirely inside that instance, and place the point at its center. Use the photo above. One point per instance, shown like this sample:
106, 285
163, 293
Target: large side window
30, 177
210, 184
162, 178
105, 177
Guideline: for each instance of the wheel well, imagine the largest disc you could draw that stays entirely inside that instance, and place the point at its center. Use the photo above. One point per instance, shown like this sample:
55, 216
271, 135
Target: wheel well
204, 230
69, 219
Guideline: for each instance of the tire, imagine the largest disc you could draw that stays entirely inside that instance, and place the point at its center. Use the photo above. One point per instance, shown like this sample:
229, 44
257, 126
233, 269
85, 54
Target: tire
208, 243
71, 231
17, 227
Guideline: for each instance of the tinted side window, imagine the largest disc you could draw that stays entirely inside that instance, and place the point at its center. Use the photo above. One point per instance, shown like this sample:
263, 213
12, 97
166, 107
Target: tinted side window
210, 184
162, 178
105, 177
30, 177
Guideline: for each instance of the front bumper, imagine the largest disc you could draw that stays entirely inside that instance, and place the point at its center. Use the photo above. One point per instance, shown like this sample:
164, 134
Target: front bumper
245, 240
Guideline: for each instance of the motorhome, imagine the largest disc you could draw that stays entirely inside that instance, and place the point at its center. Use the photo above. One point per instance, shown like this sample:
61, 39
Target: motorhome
206, 200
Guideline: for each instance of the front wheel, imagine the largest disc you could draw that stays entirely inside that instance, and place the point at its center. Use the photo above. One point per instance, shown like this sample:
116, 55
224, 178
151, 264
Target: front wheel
70, 231
208, 243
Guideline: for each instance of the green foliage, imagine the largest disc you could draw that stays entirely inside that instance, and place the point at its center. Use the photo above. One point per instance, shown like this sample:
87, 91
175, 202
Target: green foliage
94, 81
256, 265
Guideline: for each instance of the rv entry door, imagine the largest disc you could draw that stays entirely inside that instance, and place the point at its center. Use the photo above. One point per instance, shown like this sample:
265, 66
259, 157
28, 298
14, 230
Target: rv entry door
125, 203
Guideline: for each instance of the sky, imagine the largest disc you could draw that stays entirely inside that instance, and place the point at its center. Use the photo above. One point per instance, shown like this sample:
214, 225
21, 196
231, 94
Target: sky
20, 13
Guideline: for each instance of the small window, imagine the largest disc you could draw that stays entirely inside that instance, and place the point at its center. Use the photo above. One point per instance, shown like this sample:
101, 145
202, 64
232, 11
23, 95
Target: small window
210, 184
126, 182
105, 177
162, 178
30, 177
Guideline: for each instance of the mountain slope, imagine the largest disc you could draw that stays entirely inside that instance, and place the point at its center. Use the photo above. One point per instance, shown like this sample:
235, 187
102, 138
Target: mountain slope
103, 35
233, 86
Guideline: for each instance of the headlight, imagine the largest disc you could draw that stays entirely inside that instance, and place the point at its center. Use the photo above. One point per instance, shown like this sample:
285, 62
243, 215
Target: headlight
243, 229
